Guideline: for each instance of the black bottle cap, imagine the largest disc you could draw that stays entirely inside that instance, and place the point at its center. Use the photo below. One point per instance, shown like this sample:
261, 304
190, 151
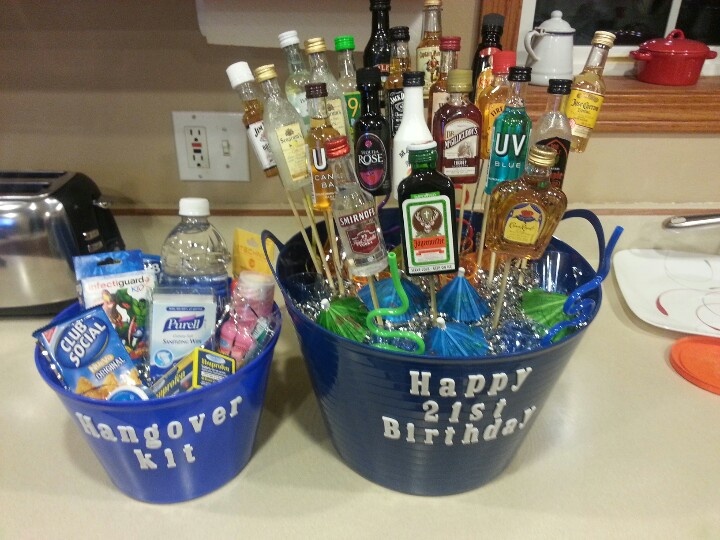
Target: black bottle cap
493, 22
368, 75
399, 33
379, 4
519, 74
315, 90
415, 78
559, 86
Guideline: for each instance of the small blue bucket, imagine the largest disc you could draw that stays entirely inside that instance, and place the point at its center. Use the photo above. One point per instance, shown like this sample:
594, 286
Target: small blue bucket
423, 425
176, 448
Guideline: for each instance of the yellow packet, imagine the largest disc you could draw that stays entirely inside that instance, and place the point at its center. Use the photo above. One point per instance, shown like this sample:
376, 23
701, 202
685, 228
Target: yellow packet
248, 253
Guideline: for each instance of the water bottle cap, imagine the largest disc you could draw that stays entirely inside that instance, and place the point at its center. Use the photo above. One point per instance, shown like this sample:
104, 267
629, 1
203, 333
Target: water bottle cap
288, 38
239, 73
194, 206
344, 43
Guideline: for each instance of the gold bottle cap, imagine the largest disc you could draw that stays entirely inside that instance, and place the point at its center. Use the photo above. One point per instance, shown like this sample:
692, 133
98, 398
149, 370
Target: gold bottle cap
603, 38
265, 73
542, 155
433, 3
459, 80
315, 45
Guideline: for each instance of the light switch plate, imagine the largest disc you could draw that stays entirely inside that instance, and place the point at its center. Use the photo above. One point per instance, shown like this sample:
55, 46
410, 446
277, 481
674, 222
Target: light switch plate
211, 146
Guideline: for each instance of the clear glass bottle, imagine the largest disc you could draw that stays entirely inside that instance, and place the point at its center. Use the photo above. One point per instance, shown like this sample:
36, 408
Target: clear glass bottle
525, 212
372, 136
588, 92
393, 86
316, 51
345, 46
491, 100
298, 73
427, 53
427, 203
553, 128
438, 96
482, 67
284, 129
355, 215
323, 187
242, 80
377, 50
511, 133
456, 130
413, 127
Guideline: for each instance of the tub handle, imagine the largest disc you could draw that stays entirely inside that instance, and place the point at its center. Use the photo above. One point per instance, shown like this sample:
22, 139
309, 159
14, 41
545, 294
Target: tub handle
266, 235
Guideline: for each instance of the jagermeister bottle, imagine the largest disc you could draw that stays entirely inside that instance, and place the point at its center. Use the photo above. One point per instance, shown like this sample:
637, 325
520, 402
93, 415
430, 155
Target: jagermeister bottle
393, 86
511, 133
323, 187
372, 136
427, 203
588, 92
553, 128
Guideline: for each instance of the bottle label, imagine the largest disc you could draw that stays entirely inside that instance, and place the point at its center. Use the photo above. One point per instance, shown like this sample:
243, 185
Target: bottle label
336, 115
394, 106
371, 158
361, 230
323, 186
352, 107
438, 100
429, 243
507, 157
523, 224
491, 112
299, 101
428, 60
562, 147
460, 148
582, 110
292, 143
260, 144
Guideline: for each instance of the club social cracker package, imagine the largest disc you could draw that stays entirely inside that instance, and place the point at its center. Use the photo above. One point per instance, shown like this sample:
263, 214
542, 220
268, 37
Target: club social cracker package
88, 356
122, 284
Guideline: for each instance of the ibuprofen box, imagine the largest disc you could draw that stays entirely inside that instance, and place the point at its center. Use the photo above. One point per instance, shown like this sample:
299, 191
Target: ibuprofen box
199, 368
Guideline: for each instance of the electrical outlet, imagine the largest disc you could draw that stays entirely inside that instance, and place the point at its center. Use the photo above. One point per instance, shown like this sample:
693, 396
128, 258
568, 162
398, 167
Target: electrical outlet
211, 146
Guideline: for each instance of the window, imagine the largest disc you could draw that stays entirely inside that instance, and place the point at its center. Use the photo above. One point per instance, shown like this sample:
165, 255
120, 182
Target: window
633, 21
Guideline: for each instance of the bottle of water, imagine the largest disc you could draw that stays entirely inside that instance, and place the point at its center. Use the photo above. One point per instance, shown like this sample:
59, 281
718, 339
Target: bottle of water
194, 254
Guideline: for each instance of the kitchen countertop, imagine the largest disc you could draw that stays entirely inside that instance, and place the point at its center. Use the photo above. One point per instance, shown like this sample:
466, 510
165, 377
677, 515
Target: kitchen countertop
623, 448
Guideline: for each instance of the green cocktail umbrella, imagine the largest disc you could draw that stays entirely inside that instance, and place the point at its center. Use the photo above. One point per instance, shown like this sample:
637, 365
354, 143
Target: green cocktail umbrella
344, 316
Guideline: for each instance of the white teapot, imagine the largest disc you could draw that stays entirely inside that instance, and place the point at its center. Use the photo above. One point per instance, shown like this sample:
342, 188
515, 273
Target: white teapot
550, 50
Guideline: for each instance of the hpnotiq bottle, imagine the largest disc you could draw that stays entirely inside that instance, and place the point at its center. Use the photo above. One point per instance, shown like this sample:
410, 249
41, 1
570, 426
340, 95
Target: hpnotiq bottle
511, 133
323, 187
399, 64
285, 131
427, 53
377, 50
491, 100
413, 128
427, 203
345, 45
372, 136
491, 31
355, 214
588, 92
194, 254
298, 73
438, 96
316, 49
553, 128
242, 80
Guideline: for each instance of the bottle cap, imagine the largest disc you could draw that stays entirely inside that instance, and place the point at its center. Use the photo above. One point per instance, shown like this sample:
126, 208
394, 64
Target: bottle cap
459, 80
414, 78
344, 43
502, 61
239, 73
422, 152
542, 155
433, 3
493, 22
603, 38
265, 73
368, 75
315, 45
194, 206
376, 5
559, 86
337, 147
450, 43
288, 38
316, 90
399, 33
519, 73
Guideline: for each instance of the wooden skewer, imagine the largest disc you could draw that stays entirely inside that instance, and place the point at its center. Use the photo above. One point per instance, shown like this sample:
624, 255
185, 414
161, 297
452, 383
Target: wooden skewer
316, 236
463, 192
330, 223
308, 244
433, 299
501, 294
374, 297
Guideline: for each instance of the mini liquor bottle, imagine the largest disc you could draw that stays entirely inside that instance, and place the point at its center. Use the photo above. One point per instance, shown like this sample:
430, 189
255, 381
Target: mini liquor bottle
427, 53
491, 99
456, 130
316, 51
355, 214
525, 212
588, 92
482, 67
242, 80
427, 203
553, 128
377, 50
372, 136
438, 96
345, 45
298, 73
323, 187
393, 86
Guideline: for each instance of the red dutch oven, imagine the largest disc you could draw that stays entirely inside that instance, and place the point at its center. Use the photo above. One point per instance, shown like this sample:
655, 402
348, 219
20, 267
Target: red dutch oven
673, 61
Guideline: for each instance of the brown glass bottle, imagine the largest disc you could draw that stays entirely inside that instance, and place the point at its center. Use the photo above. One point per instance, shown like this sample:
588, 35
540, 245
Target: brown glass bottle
393, 86
438, 96
323, 187
491, 100
427, 53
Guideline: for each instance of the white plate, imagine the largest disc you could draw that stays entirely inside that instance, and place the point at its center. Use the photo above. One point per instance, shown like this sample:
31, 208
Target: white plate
672, 289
